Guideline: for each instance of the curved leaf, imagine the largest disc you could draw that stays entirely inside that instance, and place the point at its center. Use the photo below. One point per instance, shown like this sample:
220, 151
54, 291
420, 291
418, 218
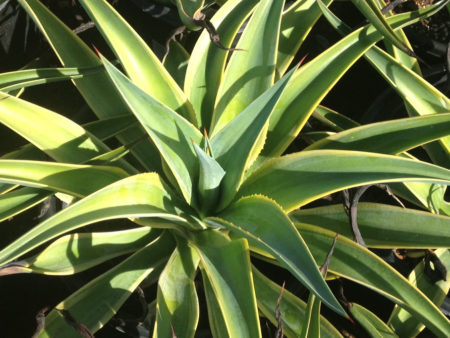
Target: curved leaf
237, 144
315, 79
73, 52
60, 177
142, 195
171, 133
297, 179
30, 77
177, 308
204, 71
54, 134
74, 253
352, 261
226, 264
389, 137
19, 200
381, 225
98, 301
255, 218
140, 63
296, 23
370, 322
250, 70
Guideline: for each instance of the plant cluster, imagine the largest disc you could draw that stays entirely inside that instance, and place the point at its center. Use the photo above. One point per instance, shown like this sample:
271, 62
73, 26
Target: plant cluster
203, 180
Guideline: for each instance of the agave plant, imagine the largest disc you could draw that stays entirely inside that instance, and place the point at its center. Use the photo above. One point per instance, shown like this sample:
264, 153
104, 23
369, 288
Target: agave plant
203, 178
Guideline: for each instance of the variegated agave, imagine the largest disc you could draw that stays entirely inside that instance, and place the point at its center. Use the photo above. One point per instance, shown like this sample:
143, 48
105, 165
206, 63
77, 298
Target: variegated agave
203, 177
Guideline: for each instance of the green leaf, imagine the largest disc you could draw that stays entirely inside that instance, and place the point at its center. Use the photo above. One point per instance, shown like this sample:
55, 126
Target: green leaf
74, 253
226, 263
56, 135
140, 63
19, 200
315, 79
352, 261
250, 72
389, 137
143, 195
98, 301
177, 303
400, 320
176, 61
292, 308
332, 119
255, 218
381, 225
210, 176
296, 23
110, 127
204, 71
67, 178
311, 327
237, 144
297, 179
373, 325
170, 132
11, 81
73, 52
372, 13
420, 97
216, 320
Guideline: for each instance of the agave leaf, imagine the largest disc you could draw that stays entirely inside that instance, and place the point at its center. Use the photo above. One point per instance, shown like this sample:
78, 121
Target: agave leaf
177, 303
210, 176
176, 61
352, 261
74, 253
54, 134
333, 119
140, 63
143, 195
250, 71
373, 325
170, 132
400, 320
110, 127
372, 13
381, 225
66, 178
311, 327
226, 264
31, 77
204, 71
389, 137
314, 80
421, 98
296, 23
297, 179
254, 218
216, 319
73, 52
19, 200
98, 301
292, 308
237, 144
